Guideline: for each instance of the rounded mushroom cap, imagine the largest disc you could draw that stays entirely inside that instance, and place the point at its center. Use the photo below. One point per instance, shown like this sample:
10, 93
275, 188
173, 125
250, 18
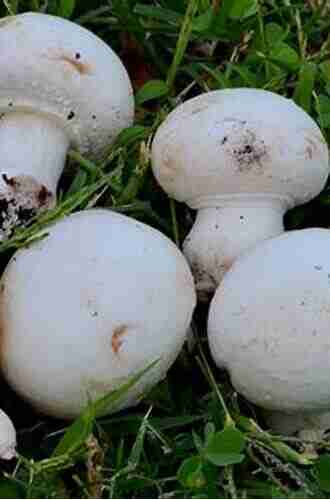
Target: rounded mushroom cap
95, 302
269, 322
51, 66
239, 141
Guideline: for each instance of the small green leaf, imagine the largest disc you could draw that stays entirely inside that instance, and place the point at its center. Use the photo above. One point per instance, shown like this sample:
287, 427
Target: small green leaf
151, 90
66, 8
225, 447
159, 13
191, 473
241, 9
322, 468
285, 56
304, 89
9, 488
274, 34
131, 134
203, 22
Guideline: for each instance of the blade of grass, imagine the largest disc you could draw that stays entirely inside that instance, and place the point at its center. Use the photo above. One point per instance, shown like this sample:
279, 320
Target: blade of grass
182, 42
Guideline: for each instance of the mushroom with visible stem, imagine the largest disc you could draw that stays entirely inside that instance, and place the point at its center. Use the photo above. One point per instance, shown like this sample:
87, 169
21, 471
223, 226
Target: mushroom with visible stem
7, 437
269, 327
89, 306
241, 157
60, 86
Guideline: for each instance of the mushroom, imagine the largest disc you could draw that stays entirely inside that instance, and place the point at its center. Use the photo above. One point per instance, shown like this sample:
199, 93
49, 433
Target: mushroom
95, 302
7, 437
241, 157
60, 86
269, 327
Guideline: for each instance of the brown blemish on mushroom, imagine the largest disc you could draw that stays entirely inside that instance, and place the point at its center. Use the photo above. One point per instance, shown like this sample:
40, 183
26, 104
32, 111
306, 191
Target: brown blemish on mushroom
205, 283
249, 153
243, 144
309, 152
199, 108
311, 148
43, 195
116, 339
74, 62
170, 167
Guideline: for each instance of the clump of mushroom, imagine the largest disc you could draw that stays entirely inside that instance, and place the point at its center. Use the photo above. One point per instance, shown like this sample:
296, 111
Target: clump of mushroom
60, 86
95, 302
241, 157
7, 437
269, 327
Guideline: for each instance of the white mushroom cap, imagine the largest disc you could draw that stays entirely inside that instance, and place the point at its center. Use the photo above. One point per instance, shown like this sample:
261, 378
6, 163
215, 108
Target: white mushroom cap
56, 68
7, 437
239, 141
95, 302
269, 325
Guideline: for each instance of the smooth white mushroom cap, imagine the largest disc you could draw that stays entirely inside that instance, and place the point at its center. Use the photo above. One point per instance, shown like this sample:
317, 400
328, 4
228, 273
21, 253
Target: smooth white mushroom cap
7, 437
269, 323
96, 301
56, 68
239, 141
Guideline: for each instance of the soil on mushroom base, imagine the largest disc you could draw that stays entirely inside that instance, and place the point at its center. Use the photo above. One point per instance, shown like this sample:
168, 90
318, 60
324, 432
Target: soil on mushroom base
22, 200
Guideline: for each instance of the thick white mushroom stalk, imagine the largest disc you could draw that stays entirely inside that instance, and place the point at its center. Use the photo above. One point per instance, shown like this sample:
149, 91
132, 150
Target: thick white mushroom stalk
242, 158
61, 87
7, 437
97, 301
269, 327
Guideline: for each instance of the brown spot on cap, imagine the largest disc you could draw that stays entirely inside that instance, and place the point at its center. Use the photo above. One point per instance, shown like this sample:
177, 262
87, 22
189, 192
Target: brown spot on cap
76, 64
116, 339
43, 195
309, 152
10, 181
311, 148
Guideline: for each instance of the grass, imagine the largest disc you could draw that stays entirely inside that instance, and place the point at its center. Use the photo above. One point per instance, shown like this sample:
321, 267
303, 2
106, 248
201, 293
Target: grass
193, 436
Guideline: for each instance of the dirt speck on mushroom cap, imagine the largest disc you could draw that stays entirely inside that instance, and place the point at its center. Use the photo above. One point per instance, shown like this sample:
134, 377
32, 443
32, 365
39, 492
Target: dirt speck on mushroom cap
21, 198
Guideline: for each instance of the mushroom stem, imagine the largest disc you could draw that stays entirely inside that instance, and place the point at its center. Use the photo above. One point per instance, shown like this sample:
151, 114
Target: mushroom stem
33, 149
33, 144
226, 227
